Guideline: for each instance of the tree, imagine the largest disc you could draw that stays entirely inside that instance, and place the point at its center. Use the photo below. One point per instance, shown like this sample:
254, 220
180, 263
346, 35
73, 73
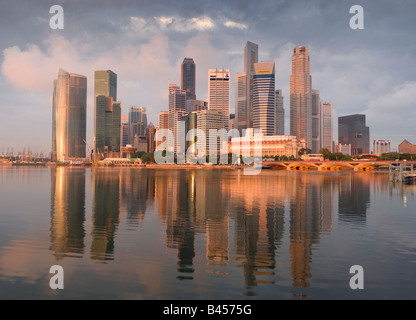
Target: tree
303, 151
325, 152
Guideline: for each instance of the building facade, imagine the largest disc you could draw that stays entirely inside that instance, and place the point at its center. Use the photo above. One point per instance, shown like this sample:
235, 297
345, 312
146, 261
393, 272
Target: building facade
326, 135
264, 106
211, 120
407, 147
219, 92
316, 121
69, 116
353, 130
279, 113
177, 109
381, 146
251, 56
188, 78
300, 96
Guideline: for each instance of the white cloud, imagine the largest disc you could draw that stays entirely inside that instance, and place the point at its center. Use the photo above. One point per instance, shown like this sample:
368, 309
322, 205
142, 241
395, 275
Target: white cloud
237, 25
183, 25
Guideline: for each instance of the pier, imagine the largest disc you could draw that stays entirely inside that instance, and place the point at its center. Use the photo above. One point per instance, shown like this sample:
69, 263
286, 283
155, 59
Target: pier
402, 172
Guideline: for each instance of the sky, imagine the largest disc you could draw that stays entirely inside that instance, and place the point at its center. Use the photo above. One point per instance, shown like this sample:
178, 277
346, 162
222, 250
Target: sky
369, 71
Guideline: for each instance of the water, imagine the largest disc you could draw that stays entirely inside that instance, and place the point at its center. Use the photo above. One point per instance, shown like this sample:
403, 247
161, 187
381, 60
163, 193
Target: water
122, 233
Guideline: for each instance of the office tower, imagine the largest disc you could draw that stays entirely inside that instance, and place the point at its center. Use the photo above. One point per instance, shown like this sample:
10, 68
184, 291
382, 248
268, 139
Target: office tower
196, 105
279, 114
326, 125
163, 124
381, 146
352, 130
264, 98
105, 83
177, 109
190, 120
124, 134
150, 137
69, 116
107, 117
211, 120
316, 122
219, 92
250, 58
107, 127
300, 96
241, 101
137, 122
188, 78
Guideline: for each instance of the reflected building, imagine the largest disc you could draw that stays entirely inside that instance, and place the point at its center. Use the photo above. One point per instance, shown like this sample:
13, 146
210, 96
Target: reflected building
69, 116
105, 213
354, 199
67, 212
310, 214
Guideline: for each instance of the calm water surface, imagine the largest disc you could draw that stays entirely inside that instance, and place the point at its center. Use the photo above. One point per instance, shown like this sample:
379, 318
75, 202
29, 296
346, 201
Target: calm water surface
122, 233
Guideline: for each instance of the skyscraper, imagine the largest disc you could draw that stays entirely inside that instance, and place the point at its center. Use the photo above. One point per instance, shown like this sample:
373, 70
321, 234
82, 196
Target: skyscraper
137, 122
124, 133
316, 122
107, 114
264, 97
352, 130
163, 124
300, 96
251, 53
69, 116
219, 92
326, 125
177, 109
150, 137
188, 78
241, 101
210, 120
279, 114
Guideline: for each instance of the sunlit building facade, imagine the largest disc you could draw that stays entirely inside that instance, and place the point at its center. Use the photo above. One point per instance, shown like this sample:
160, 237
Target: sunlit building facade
219, 92
69, 116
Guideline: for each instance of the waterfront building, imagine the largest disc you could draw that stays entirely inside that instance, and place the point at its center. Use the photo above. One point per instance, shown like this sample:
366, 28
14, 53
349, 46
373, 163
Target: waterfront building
137, 122
300, 96
69, 116
271, 146
163, 124
188, 78
190, 121
352, 130
407, 147
124, 133
219, 92
343, 148
326, 125
150, 137
264, 106
177, 109
381, 146
206, 121
251, 54
241, 101
279, 113
316, 121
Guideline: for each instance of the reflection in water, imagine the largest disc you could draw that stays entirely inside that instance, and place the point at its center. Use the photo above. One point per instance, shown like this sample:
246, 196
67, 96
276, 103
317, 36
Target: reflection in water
105, 211
241, 217
354, 198
67, 212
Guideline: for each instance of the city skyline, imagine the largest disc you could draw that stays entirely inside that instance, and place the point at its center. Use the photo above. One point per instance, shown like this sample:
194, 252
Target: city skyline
358, 70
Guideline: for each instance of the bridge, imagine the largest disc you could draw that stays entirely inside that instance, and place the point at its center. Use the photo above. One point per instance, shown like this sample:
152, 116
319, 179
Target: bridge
328, 165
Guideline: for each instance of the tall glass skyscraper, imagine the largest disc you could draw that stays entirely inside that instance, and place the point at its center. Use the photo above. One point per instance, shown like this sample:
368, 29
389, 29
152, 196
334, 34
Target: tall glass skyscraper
316, 121
107, 114
264, 97
177, 109
241, 101
300, 96
69, 116
352, 130
137, 122
188, 78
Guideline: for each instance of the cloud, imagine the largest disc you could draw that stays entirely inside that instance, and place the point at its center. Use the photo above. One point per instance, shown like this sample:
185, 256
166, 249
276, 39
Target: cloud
184, 25
236, 25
